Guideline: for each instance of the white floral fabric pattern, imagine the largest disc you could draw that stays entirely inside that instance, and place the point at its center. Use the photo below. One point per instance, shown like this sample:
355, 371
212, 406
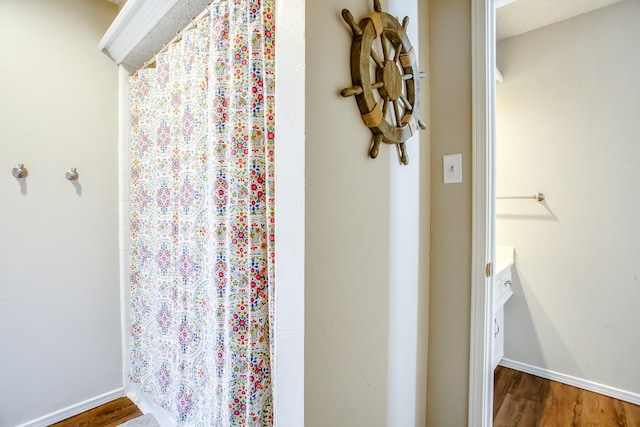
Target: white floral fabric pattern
202, 218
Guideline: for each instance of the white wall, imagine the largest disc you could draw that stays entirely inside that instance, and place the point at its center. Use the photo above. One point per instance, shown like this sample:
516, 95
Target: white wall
450, 279
568, 126
59, 310
290, 213
366, 287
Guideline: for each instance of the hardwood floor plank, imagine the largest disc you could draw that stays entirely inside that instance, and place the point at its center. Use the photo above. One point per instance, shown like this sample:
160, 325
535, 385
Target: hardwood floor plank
598, 411
531, 388
621, 417
632, 414
110, 414
515, 412
503, 379
522, 400
560, 405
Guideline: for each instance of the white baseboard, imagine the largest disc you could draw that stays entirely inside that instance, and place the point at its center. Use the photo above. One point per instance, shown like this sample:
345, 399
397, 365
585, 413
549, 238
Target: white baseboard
606, 390
76, 409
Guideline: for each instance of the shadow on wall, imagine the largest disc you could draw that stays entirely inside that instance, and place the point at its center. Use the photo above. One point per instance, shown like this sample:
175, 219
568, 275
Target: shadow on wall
513, 213
77, 186
23, 185
521, 328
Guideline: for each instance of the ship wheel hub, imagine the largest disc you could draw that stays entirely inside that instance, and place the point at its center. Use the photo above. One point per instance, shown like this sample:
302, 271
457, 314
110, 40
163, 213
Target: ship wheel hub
392, 80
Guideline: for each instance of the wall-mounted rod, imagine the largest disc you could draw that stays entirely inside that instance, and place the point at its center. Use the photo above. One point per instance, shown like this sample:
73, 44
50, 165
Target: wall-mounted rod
539, 197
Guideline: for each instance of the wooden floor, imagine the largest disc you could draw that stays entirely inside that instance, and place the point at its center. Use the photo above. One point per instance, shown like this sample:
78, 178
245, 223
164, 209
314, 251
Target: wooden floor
520, 400
525, 400
108, 415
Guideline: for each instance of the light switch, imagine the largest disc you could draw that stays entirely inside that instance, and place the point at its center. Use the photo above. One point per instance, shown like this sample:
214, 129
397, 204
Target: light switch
452, 168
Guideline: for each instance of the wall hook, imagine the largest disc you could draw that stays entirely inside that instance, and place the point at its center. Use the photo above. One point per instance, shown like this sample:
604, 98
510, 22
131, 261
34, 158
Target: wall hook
19, 171
71, 174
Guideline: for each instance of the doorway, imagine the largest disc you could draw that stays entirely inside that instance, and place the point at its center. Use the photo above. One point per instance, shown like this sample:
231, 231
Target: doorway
567, 114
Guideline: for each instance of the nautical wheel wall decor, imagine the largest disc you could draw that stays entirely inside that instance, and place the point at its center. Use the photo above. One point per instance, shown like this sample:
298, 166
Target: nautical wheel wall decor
387, 88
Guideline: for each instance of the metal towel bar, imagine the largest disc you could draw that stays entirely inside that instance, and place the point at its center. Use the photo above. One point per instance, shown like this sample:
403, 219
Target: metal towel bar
539, 197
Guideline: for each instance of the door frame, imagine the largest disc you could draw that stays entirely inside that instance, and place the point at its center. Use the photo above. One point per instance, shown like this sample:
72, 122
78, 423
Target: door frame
483, 212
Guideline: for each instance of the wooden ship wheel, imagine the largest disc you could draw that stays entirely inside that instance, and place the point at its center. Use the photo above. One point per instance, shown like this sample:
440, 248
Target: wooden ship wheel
387, 88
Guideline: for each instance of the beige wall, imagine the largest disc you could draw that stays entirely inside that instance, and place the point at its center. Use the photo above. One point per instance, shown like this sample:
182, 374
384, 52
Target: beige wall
59, 296
568, 126
366, 272
450, 280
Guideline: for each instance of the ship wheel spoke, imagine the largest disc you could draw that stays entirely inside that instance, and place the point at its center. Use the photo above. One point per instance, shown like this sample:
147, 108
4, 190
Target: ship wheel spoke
396, 110
385, 107
385, 46
375, 146
406, 103
398, 52
402, 153
376, 59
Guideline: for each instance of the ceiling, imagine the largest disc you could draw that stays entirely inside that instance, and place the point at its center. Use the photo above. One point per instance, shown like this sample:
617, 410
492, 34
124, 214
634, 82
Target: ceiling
515, 17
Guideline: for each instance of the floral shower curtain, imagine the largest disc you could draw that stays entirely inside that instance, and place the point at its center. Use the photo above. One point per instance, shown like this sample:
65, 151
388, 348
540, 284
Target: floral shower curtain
202, 220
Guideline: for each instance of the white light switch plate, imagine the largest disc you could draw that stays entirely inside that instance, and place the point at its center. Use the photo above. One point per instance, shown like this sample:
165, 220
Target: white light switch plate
452, 168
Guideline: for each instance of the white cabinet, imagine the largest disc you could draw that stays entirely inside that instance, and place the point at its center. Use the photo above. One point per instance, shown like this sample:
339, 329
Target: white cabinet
502, 288
498, 336
501, 294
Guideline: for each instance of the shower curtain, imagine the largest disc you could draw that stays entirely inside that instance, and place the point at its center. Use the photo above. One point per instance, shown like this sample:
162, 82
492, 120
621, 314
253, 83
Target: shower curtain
202, 240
